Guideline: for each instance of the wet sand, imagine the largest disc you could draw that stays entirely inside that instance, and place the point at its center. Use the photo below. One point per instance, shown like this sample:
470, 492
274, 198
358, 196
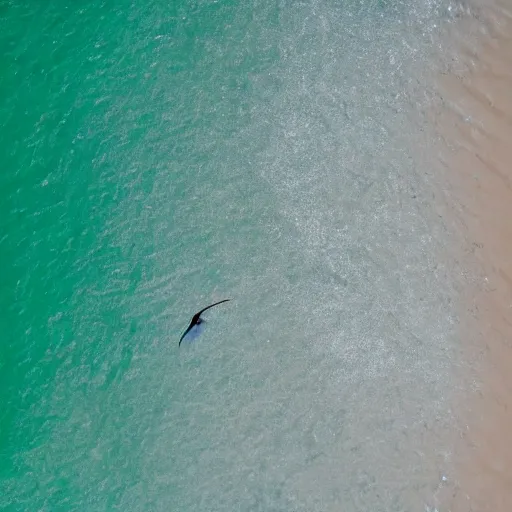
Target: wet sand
474, 122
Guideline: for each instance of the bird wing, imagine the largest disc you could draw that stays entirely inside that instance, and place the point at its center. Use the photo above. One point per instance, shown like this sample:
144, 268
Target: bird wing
186, 332
210, 306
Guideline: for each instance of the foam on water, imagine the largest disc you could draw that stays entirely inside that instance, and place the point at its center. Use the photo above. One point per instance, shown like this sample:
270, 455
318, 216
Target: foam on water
271, 152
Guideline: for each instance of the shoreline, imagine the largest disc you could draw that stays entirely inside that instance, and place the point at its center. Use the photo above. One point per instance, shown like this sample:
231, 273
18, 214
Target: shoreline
474, 125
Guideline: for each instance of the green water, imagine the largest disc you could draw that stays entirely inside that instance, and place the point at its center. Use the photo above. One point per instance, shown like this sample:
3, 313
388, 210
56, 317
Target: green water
159, 156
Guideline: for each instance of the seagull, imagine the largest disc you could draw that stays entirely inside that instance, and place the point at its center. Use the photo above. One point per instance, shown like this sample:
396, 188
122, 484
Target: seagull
195, 327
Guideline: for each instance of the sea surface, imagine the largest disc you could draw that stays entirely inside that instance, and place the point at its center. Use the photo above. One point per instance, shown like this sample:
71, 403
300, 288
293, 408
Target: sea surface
159, 156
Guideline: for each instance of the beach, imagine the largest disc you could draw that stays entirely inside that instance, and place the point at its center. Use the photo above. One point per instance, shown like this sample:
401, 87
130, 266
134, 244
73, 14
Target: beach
321, 164
474, 123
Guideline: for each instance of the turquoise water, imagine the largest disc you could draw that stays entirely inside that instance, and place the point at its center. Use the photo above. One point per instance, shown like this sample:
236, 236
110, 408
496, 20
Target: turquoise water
161, 156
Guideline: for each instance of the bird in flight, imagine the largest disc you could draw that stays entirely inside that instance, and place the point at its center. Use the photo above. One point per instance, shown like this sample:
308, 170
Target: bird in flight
196, 324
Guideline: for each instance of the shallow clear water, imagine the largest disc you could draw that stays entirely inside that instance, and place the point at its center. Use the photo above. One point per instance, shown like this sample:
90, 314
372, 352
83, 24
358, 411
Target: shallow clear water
159, 157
